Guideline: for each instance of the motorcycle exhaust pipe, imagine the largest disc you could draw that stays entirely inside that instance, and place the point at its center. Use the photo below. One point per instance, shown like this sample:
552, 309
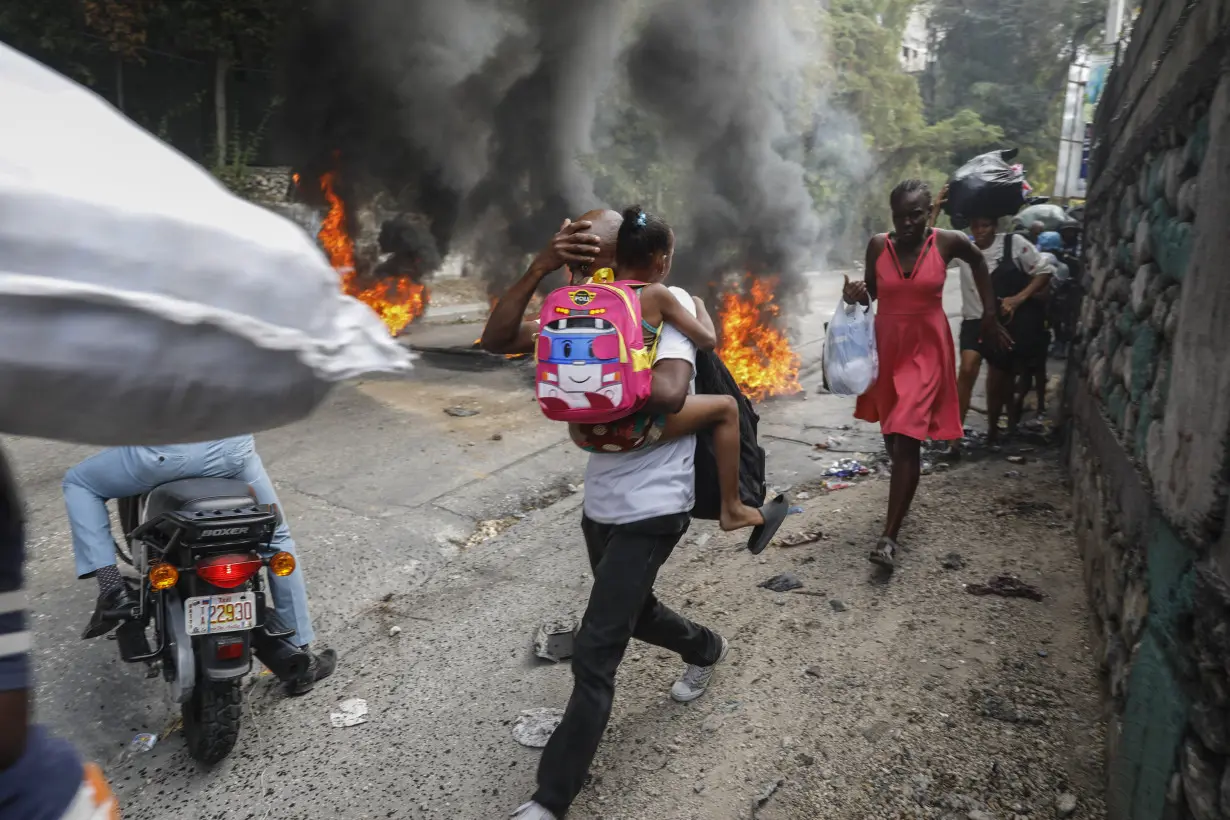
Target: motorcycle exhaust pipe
283, 658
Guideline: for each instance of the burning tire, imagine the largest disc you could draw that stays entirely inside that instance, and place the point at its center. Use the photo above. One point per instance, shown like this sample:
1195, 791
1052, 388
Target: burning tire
211, 720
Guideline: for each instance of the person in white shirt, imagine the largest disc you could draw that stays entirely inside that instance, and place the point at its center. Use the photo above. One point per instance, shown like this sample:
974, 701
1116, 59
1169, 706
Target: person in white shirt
637, 507
1026, 257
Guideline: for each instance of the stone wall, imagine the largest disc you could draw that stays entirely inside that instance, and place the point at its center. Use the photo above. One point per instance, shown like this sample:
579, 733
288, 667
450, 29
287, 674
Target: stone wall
1148, 399
264, 185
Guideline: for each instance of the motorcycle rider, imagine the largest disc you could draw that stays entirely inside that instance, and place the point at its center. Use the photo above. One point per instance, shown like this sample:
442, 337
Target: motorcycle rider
120, 472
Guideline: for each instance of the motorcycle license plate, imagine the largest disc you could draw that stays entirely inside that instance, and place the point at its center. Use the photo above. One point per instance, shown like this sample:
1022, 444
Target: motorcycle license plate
211, 614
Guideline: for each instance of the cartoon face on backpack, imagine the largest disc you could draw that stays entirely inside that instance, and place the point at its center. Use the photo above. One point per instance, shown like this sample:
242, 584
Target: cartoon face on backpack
578, 364
593, 365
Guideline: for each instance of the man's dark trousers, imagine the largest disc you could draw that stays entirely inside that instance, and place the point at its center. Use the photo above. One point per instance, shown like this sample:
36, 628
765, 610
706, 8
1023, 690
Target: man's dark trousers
625, 559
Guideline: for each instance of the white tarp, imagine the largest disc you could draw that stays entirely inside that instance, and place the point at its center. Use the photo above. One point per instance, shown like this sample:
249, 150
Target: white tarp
141, 302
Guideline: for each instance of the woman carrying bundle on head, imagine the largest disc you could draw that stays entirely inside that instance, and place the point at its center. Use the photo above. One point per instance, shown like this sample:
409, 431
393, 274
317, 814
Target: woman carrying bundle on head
915, 394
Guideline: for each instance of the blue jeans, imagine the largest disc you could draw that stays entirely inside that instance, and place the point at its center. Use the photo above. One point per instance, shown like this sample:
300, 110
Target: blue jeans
124, 471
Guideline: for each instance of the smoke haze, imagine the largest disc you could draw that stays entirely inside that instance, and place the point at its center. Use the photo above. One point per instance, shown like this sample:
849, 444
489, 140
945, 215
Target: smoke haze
474, 113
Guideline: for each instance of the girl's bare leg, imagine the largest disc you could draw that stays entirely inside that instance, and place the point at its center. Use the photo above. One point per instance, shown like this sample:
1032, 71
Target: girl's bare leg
721, 414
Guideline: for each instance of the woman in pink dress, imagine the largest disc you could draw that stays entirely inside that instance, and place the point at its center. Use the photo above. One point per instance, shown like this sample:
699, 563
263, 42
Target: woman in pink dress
915, 396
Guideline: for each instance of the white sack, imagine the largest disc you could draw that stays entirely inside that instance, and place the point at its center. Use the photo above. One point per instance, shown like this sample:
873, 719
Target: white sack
142, 303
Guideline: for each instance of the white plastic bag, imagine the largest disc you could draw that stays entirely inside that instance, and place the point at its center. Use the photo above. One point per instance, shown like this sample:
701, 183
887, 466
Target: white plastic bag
142, 303
850, 361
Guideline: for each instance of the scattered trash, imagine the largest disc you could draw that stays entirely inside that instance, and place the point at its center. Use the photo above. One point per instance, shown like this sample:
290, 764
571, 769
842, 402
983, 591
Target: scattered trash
553, 641
350, 712
782, 583
795, 510
1065, 805
927, 468
394, 631
847, 468
142, 743
497, 437
831, 485
1012, 474
798, 539
952, 560
1007, 586
703, 539
460, 412
1016, 459
764, 796
838, 606
533, 727
813, 671
1042, 653
803, 496
823, 445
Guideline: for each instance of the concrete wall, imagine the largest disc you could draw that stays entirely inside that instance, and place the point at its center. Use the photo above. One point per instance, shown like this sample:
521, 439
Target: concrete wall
1148, 397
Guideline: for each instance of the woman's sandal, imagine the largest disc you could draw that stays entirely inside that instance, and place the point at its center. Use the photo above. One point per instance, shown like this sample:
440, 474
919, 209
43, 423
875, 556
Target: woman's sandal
883, 553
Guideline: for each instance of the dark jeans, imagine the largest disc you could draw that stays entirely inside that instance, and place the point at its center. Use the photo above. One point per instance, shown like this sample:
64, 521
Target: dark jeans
625, 559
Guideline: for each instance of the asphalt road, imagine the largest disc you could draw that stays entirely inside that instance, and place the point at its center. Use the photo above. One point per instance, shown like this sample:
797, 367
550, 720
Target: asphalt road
383, 490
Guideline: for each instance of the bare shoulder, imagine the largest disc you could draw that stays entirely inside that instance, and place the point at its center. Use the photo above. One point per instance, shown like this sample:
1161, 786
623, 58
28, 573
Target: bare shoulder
656, 294
950, 239
877, 243
951, 244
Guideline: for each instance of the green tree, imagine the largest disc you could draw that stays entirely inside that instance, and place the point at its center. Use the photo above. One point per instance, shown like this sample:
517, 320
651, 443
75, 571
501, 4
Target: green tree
224, 34
1008, 61
51, 31
122, 26
868, 83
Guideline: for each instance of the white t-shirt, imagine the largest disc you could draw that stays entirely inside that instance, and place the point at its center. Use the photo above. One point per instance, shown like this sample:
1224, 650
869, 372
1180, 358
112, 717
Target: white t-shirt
624, 487
1026, 256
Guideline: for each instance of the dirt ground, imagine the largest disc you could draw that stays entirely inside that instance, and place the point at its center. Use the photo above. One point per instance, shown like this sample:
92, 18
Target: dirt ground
860, 697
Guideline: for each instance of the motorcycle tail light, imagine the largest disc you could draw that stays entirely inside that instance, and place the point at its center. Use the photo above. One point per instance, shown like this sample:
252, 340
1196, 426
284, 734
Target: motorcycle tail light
228, 571
231, 650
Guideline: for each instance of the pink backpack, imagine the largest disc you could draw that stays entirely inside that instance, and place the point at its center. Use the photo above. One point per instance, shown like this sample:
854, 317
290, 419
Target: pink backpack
593, 366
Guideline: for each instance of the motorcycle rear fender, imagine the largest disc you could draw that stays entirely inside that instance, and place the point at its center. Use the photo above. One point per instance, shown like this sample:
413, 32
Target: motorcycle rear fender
179, 646
216, 670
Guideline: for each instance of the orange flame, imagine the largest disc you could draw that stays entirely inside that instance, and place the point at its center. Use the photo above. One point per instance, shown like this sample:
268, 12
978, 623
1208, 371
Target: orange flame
397, 302
753, 346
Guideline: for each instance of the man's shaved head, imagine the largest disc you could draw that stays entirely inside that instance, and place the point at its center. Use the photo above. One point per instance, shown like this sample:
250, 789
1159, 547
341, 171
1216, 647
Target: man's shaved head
604, 224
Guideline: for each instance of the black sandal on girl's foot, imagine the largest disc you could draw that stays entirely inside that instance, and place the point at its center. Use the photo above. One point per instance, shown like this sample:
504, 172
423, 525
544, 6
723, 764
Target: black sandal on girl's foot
774, 514
884, 553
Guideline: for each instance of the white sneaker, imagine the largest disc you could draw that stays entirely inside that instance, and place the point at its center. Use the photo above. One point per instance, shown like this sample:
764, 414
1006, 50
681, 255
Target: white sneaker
533, 811
696, 679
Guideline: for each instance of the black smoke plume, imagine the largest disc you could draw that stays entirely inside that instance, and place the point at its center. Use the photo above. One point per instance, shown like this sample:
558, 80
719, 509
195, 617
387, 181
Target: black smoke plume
474, 113
712, 71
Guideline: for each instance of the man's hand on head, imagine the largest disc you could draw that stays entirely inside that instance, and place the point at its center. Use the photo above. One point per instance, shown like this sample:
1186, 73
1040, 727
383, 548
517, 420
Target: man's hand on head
571, 245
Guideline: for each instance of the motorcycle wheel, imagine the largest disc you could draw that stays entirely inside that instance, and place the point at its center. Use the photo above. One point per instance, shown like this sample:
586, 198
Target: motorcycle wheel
211, 720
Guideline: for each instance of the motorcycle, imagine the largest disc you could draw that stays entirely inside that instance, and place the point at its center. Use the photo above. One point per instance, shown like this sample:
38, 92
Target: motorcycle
198, 545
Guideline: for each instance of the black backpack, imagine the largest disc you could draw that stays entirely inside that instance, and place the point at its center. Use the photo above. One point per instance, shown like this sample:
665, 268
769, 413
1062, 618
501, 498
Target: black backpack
1028, 323
712, 378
